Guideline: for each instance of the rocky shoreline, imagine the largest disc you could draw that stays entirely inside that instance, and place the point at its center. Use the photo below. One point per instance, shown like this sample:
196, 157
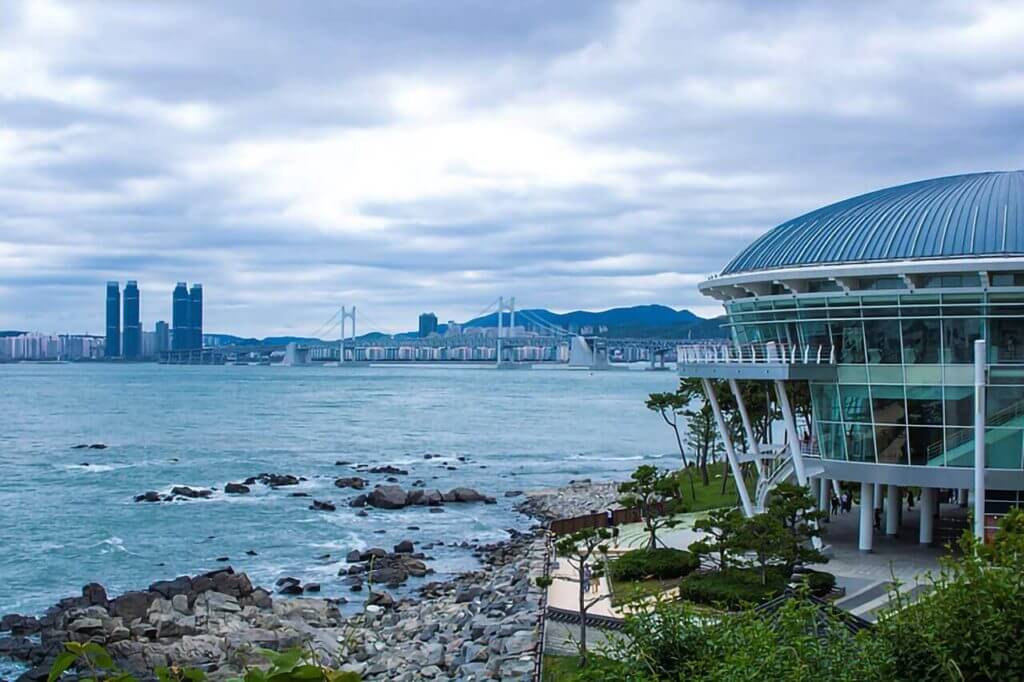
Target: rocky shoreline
481, 625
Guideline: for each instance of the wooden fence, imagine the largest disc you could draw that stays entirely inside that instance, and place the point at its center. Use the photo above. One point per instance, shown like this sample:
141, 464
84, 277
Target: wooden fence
598, 520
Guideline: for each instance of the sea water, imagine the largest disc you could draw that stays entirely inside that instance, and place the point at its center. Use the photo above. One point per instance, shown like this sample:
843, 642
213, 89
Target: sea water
67, 516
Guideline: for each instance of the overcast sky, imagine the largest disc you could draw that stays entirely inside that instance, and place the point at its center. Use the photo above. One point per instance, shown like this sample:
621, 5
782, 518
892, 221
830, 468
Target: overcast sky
411, 156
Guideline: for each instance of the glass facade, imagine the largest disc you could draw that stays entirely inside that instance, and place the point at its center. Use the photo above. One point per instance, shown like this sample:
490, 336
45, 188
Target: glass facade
905, 388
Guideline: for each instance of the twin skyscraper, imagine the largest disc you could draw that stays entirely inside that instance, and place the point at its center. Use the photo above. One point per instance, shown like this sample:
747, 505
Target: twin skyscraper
132, 343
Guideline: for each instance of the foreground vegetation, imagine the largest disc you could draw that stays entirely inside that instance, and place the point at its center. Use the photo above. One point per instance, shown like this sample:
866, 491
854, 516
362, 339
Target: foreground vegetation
968, 627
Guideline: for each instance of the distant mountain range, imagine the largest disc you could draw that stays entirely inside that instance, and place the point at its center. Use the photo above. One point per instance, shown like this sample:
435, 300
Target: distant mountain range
642, 321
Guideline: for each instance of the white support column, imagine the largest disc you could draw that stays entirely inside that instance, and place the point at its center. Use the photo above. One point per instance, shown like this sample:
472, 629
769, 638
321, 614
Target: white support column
926, 529
892, 510
794, 438
835, 488
877, 497
823, 495
748, 427
979, 439
730, 453
866, 513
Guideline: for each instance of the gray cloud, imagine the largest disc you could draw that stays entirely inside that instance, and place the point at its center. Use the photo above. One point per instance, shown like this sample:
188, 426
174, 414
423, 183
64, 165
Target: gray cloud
407, 156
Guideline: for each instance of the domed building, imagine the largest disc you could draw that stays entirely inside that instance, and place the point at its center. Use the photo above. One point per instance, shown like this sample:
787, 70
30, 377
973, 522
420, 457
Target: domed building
903, 309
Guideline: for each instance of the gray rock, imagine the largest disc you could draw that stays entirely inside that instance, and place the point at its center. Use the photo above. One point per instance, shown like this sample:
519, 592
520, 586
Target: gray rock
387, 497
404, 547
237, 488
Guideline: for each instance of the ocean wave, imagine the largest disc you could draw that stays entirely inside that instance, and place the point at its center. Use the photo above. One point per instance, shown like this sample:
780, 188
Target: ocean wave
93, 468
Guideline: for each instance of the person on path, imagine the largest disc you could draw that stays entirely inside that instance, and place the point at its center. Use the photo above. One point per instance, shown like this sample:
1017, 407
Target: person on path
586, 578
834, 505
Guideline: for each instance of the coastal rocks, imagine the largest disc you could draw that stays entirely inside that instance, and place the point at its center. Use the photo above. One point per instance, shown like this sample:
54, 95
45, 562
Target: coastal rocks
191, 493
388, 469
237, 488
387, 497
150, 496
91, 446
395, 497
351, 482
274, 480
323, 505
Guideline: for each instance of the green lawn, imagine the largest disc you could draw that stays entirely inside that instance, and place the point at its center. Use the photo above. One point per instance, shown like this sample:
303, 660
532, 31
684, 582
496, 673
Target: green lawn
711, 496
624, 591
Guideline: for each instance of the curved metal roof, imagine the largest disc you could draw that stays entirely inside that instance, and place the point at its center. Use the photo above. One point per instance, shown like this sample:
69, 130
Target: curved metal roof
981, 214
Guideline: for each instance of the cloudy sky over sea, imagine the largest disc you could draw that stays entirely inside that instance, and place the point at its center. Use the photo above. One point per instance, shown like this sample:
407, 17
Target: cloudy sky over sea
410, 156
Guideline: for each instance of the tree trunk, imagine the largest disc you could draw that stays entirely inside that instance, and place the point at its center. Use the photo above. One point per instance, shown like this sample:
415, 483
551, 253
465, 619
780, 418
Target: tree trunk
705, 479
682, 454
725, 476
583, 622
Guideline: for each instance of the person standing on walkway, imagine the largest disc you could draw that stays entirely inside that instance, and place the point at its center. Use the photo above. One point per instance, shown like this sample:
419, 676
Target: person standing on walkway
833, 504
587, 573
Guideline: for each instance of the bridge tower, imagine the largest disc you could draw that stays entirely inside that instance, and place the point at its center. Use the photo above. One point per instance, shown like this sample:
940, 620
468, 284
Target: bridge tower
341, 336
504, 306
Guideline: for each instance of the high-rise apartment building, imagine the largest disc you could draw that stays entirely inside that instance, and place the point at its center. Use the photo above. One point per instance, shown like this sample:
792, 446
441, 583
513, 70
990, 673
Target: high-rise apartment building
428, 324
132, 335
180, 318
195, 308
113, 345
163, 337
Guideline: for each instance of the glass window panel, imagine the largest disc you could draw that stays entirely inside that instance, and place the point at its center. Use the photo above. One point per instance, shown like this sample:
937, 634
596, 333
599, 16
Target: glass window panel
921, 341
958, 375
883, 341
886, 374
1005, 374
923, 374
891, 444
889, 405
852, 374
958, 337
830, 440
924, 405
1004, 405
959, 405
960, 447
848, 338
926, 446
843, 307
1003, 448
825, 398
856, 403
881, 306
1006, 340
919, 306
860, 442
961, 305
815, 335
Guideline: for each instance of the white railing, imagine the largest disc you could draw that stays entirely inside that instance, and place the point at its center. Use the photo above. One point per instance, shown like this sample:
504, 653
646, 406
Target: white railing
771, 353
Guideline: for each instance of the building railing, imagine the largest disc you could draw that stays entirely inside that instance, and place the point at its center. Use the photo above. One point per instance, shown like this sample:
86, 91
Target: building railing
774, 353
966, 434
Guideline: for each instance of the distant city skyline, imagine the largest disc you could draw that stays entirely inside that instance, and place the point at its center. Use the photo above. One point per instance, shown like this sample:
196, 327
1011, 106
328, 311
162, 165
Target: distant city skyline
403, 157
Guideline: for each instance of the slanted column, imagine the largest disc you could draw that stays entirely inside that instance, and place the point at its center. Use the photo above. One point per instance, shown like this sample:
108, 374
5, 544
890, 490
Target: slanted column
926, 529
730, 453
867, 507
748, 427
892, 510
794, 438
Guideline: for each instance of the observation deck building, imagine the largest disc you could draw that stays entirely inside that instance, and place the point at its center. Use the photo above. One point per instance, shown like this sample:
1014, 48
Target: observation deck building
903, 310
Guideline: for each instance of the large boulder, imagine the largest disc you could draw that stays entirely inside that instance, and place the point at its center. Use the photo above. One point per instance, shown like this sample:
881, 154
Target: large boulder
95, 595
192, 493
388, 497
428, 498
351, 482
467, 495
132, 605
149, 496
388, 469
169, 588
236, 488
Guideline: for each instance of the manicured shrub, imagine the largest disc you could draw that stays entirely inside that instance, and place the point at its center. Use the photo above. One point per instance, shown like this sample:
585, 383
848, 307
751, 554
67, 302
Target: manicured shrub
663, 563
733, 589
820, 582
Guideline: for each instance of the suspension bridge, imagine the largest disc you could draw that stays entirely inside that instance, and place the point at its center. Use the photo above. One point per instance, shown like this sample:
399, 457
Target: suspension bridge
518, 338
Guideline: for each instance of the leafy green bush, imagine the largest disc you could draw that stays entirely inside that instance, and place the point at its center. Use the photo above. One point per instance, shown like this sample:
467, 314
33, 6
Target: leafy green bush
733, 589
663, 563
